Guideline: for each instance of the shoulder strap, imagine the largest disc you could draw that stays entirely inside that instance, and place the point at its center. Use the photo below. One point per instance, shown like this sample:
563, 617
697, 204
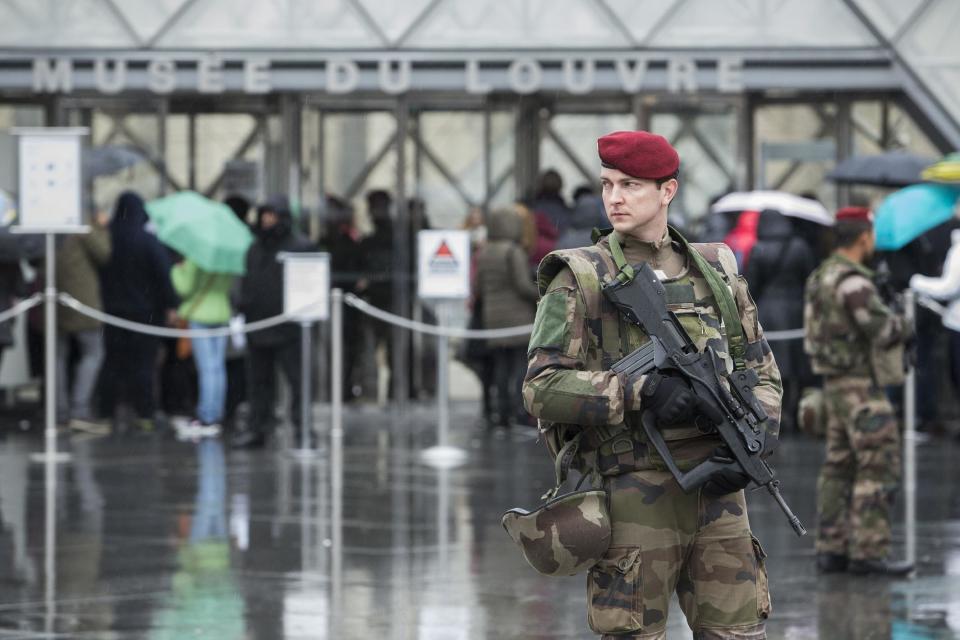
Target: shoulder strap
725, 301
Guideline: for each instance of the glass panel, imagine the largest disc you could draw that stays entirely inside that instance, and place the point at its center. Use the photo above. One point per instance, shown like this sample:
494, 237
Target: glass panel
14, 116
872, 135
178, 148
492, 23
707, 145
503, 188
796, 124
219, 137
254, 23
77, 23
456, 141
351, 142
138, 130
579, 132
711, 23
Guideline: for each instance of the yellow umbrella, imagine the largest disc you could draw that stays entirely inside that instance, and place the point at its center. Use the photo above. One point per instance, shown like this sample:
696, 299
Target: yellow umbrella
947, 170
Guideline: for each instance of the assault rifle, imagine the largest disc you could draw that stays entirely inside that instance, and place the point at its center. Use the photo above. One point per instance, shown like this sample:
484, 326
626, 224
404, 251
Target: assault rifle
734, 413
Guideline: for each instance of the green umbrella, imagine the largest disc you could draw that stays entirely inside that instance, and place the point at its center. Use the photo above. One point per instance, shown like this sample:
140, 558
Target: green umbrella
203, 230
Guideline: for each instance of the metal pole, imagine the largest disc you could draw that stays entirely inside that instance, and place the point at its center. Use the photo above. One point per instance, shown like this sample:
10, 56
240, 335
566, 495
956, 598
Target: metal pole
50, 432
336, 460
443, 378
306, 405
910, 443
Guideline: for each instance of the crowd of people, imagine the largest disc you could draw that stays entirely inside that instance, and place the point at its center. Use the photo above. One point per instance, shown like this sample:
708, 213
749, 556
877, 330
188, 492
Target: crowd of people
113, 379
116, 376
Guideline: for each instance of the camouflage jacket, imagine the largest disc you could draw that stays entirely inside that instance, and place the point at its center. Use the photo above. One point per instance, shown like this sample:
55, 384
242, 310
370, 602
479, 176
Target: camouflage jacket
845, 320
578, 335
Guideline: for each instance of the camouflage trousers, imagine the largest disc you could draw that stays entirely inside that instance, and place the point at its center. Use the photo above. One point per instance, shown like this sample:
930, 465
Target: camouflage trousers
861, 471
664, 541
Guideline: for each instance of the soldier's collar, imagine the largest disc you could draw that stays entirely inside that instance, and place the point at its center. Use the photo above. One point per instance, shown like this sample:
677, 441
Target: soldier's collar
861, 268
614, 240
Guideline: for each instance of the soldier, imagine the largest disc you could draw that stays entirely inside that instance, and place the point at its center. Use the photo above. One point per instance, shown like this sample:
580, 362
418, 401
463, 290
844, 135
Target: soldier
846, 325
663, 540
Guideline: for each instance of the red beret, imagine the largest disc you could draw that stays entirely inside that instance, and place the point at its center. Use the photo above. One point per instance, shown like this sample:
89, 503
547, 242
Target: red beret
640, 154
855, 213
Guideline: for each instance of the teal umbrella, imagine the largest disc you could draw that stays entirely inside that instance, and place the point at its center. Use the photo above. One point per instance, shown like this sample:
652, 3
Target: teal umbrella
906, 214
203, 230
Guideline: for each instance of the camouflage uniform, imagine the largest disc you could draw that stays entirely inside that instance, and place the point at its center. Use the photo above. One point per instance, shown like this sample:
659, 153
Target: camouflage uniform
663, 540
845, 322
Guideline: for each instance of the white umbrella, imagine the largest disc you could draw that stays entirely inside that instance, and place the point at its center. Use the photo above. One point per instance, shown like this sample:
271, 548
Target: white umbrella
786, 203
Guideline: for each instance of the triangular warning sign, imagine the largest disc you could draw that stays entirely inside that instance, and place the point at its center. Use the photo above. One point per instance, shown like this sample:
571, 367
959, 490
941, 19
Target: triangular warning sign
443, 251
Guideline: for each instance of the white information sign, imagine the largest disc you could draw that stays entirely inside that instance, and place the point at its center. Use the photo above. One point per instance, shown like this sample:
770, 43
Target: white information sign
50, 183
443, 264
306, 285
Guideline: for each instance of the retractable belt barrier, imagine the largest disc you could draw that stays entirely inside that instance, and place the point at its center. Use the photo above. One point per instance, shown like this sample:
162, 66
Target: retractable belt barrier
22, 307
354, 301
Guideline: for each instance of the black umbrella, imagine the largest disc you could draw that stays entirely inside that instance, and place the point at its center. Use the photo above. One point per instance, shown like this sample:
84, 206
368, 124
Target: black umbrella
890, 169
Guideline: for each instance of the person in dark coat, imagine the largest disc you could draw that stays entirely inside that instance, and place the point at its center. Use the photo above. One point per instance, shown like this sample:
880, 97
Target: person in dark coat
261, 297
134, 285
342, 242
509, 296
587, 215
12, 286
377, 265
549, 201
777, 271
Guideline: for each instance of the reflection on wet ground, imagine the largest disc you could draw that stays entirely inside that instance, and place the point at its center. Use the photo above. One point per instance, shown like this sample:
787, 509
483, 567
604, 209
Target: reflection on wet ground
160, 539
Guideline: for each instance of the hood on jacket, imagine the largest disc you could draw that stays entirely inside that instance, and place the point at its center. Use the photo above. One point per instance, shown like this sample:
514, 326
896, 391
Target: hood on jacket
774, 225
129, 216
505, 224
281, 207
588, 212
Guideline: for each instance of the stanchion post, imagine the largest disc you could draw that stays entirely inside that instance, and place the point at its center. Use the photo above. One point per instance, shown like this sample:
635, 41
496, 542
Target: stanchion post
306, 404
443, 455
910, 443
50, 346
336, 460
443, 377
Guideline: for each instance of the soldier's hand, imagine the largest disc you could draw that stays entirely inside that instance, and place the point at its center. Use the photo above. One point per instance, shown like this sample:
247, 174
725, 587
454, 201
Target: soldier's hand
728, 480
669, 397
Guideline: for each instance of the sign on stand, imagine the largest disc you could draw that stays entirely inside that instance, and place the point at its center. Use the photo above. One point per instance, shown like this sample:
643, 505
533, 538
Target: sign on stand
306, 285
49, 181
443, 265
306, 297
443, 260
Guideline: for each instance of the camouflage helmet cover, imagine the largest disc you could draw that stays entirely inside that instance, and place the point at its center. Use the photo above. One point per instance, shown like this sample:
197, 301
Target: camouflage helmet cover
565, 536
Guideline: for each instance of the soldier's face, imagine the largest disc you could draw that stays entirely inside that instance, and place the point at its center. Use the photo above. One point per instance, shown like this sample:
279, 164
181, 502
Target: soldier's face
634, 205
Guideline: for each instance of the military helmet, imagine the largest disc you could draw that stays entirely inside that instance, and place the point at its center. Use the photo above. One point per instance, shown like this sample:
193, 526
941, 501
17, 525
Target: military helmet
565, 536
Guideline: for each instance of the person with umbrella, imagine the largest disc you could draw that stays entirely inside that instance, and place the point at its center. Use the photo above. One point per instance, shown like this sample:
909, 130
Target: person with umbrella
213, 242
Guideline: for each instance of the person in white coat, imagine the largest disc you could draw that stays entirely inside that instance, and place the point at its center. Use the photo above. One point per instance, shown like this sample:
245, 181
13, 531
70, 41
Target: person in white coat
946, 288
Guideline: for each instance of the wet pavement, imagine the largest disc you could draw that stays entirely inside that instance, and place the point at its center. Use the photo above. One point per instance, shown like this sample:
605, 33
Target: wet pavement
160, 539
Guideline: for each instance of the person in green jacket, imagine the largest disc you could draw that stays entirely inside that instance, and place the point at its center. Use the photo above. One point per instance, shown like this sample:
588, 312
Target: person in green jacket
206, 304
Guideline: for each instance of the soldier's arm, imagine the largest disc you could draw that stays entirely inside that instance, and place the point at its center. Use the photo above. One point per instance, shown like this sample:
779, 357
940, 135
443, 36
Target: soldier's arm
759, 357
557, 387
875, 320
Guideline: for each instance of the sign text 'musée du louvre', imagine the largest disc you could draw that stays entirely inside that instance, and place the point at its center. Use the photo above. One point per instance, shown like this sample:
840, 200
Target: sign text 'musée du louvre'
521, 75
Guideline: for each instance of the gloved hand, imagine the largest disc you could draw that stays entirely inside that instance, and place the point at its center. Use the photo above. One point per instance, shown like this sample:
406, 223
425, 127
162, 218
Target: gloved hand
669, 397
729, 480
